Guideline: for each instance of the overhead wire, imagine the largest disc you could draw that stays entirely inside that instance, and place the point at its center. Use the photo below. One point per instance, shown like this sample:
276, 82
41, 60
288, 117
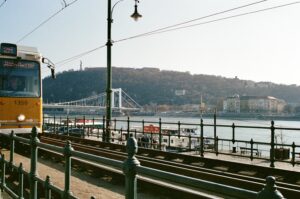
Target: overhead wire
45, 21
204, 17
207, 22
3, 3
79, 55
167, 29
160, 29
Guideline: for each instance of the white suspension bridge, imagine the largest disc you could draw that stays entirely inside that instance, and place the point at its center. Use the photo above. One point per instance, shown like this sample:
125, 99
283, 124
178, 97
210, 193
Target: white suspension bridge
121, 102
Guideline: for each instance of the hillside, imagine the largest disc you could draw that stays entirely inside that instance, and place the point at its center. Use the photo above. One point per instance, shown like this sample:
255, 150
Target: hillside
151, 85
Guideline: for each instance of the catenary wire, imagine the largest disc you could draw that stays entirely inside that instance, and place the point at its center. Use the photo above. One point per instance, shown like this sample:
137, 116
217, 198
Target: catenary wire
48, 19
204, 17
79, 55
3, 3
207, 22
162, 30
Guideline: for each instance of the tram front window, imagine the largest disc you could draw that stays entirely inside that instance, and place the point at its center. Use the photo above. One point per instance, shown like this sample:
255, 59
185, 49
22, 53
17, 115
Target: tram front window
19, 78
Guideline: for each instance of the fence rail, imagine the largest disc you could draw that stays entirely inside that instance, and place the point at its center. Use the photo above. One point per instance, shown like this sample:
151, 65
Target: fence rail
131, 167
267, 149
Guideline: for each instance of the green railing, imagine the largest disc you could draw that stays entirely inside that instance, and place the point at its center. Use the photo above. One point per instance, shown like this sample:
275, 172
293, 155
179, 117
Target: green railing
131, 167
268, 149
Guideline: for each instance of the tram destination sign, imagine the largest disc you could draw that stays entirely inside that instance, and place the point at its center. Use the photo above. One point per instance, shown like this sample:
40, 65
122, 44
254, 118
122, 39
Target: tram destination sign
8, 63
8, 49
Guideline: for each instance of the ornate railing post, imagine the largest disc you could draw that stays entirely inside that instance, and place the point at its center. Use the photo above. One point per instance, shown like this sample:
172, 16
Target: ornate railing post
128, 127
3, 184
104, 129
143, 126
215, 129
67, 153
233, 133
21, 182
217, 145
12, 149
272, 150
160, 136
34, 140
47, 188
179, 129
54, 122
67, 125
43, 125
270, 190
251, 149
129, 169
293, 154
202, 139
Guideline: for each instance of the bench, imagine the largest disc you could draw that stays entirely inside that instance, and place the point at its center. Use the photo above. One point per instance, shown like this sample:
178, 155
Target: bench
246, 150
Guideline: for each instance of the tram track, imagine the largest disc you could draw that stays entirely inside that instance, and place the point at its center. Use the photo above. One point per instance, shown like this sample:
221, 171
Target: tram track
177, 166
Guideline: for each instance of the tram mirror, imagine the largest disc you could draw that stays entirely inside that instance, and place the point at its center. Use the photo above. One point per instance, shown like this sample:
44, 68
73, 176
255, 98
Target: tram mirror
53, 73
50, 65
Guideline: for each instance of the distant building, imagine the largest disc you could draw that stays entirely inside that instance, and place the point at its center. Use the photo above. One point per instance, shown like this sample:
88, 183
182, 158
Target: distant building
261, 104
253, 104
232, 104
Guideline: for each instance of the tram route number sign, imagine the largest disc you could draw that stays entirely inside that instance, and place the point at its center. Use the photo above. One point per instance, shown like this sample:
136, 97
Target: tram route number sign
8, 49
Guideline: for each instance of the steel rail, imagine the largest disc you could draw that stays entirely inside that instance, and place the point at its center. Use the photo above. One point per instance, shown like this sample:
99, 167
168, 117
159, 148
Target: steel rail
213, 175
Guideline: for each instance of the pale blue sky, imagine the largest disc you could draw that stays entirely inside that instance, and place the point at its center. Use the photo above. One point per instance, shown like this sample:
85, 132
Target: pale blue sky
261, 47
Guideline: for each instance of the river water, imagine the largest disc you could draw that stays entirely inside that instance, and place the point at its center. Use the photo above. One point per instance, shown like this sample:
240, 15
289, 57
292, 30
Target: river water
245, 132
258, 135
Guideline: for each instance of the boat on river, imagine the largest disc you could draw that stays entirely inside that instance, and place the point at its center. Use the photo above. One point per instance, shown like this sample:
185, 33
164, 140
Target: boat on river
171, 137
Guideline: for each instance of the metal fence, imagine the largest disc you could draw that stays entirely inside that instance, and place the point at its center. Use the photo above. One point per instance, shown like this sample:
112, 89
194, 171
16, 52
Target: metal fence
131, 167
268, 149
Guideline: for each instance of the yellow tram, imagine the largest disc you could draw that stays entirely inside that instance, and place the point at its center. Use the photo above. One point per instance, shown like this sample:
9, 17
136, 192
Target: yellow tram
20, 89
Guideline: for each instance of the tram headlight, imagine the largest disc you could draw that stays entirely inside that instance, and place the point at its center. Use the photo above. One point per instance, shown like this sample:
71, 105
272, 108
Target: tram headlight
21, 118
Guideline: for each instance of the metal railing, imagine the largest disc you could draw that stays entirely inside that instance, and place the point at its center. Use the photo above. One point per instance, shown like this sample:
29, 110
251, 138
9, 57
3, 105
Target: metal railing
266, 149
131, 167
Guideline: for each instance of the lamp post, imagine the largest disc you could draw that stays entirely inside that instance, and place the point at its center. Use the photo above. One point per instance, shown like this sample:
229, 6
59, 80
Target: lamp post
135, 16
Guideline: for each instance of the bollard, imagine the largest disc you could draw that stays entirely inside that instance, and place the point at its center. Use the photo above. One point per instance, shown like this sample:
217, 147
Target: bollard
33, 163
270, 190
129, 168
67, 153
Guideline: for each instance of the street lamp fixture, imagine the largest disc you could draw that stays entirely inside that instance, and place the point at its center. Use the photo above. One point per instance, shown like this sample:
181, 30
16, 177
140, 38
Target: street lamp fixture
135, 16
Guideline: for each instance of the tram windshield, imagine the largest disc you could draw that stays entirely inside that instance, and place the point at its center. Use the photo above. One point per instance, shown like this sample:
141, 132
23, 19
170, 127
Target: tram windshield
19, 78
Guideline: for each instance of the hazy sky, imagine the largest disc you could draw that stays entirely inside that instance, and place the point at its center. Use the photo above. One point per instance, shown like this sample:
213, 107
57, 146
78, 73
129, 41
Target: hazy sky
264, 46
